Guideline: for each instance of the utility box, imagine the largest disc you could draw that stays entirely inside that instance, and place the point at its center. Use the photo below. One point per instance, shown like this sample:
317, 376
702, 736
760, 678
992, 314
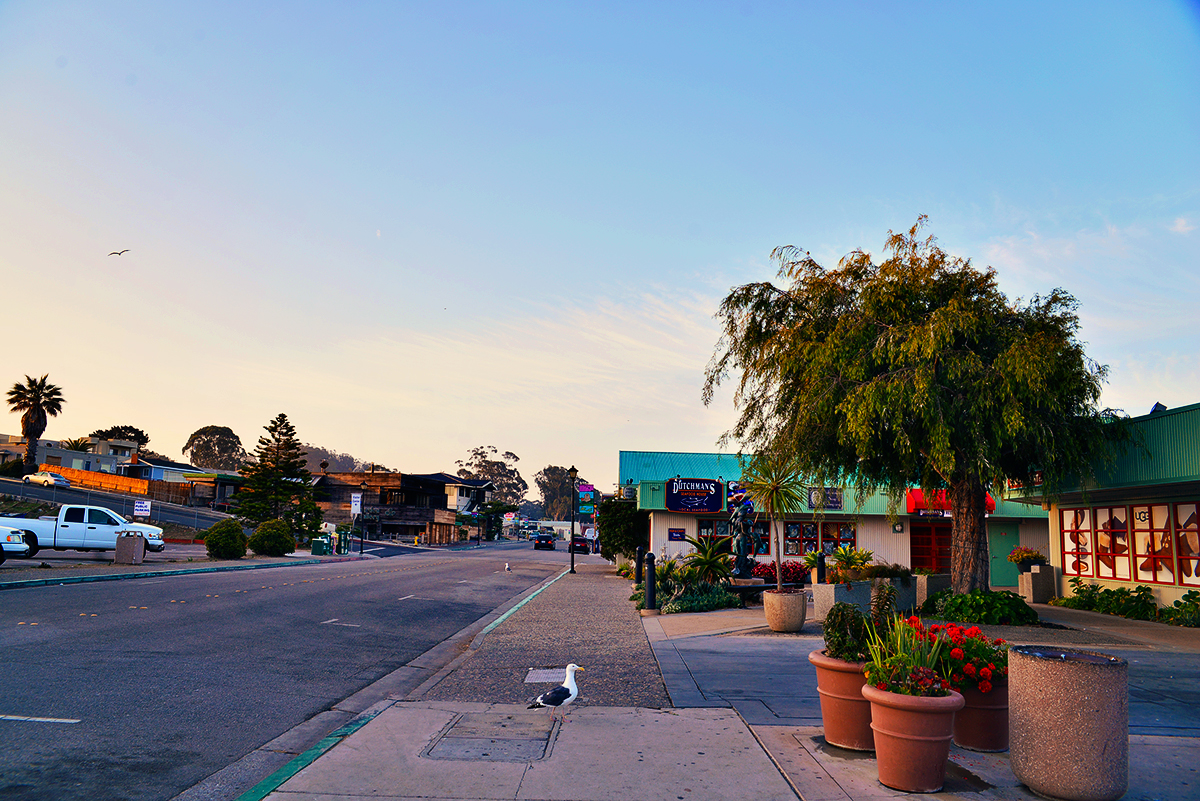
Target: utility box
131, 548
320, 546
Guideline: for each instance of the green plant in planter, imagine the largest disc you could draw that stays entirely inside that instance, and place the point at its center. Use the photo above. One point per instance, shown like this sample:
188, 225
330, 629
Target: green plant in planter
906, 660
883, 604
847, 558
1184, 612
701, 597
1021, 555
981, 606
846, 633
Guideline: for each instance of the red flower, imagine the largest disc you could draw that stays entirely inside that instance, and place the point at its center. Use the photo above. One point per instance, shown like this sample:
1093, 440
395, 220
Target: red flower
956, 653
985, 674
945, 684
915, 622
985, 686
972, 632
991, 666
881, 685
957, 678
969, 669
998, 641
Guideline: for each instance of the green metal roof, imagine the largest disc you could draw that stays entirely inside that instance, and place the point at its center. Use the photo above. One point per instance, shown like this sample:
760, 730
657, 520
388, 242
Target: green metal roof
1172, 439
649, 470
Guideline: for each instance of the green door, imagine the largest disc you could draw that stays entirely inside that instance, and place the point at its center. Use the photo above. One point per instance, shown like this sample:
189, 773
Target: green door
1002, 538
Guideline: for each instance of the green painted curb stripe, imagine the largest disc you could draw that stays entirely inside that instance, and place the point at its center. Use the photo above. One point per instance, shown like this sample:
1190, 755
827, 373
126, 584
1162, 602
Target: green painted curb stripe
506, 615
272, 782
17, 585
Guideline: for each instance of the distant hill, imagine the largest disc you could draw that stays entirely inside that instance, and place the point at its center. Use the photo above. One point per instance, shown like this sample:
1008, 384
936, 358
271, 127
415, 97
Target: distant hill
338, 462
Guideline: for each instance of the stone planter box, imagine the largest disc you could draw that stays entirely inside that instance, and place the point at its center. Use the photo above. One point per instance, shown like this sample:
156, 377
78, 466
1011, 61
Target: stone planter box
1037, 586
1068, 716
859, 594
930, 585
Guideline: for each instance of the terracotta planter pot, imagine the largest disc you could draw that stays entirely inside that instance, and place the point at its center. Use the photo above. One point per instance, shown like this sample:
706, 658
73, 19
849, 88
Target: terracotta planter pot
845, 714
912, 738
785, 610
982, 723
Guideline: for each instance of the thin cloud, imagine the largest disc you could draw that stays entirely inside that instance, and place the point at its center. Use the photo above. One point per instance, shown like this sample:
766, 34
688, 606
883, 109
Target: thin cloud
1182, 226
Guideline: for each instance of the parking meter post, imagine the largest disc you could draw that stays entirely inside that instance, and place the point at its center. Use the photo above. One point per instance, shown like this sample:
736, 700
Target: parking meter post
651, 600
637, 570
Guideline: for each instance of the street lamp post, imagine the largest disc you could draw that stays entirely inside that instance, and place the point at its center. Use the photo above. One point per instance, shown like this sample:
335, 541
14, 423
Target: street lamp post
574, 474
362, 527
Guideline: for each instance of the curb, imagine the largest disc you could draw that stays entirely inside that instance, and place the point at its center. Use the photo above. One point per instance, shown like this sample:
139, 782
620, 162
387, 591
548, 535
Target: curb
18, 585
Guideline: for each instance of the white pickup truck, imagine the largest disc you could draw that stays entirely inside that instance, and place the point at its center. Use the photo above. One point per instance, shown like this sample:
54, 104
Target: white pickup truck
12, 543
82, 528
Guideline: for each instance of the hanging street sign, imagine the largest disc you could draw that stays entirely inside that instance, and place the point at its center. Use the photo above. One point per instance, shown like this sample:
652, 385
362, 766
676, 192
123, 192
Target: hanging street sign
356, 503
586, 488
586, 509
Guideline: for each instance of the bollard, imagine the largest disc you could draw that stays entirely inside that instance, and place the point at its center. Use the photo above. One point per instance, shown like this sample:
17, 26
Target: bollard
651, 601
637, 570
820, 571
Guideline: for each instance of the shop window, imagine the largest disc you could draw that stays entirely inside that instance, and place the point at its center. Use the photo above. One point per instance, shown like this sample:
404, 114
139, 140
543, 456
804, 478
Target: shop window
801, 538
929, 545
1154, 553
837, 535
715, 528
1112, 543
1187, 543
1076, 528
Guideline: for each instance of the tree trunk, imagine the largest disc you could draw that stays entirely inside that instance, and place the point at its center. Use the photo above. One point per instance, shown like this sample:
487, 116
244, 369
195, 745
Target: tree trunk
969, 559
778, 547
33, 425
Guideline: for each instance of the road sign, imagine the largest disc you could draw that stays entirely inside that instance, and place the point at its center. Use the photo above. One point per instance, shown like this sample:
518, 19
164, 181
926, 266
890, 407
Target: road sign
356, 503
141, 508
586, 488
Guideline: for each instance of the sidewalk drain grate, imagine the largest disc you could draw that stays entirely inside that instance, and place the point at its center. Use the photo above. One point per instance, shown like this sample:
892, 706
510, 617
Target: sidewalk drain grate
546, 675
494, 737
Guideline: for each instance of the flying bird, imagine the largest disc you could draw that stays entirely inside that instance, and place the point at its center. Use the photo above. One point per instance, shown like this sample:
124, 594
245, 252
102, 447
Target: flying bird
560, 696
119, 252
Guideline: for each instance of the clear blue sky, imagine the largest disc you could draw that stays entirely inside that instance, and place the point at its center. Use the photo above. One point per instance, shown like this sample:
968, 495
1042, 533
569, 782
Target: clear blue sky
420, 227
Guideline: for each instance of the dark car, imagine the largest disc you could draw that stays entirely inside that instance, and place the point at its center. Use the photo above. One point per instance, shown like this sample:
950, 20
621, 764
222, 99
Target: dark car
579, 544
543, 541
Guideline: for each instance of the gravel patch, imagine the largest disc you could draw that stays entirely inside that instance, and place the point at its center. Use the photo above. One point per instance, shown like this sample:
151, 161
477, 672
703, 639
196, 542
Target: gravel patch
585, 619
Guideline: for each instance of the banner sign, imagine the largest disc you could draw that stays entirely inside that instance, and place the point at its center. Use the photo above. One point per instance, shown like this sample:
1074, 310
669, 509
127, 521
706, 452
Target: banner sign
675, 534
356, 503
141, 508
827, 498
585, 496
694, 495
586, 488
586, 509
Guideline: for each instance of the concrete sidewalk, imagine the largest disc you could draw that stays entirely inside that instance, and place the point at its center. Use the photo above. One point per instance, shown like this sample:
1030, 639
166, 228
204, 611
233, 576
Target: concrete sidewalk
742, 719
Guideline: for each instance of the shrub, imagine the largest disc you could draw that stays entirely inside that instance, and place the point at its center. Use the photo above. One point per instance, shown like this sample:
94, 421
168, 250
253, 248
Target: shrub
1136, 604
701, 598
1184, 612
13, 468
225, 540
793, 572
981, 606
273, 538
846, 633
887, 570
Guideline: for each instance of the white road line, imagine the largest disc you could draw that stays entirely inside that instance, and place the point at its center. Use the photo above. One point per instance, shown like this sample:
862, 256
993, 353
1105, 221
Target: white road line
464, 581
38, 720
331, 620
350, 625
406, 597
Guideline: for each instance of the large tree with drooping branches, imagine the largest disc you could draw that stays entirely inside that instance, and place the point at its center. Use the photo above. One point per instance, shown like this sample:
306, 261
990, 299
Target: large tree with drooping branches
916, 371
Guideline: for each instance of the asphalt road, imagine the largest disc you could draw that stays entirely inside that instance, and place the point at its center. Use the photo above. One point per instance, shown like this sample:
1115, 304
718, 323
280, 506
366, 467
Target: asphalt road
121, 504
173, 678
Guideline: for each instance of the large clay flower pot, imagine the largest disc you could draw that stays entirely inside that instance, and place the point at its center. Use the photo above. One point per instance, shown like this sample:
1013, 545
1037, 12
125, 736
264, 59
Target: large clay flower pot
845, 714
982, 723
912, 738
785, 610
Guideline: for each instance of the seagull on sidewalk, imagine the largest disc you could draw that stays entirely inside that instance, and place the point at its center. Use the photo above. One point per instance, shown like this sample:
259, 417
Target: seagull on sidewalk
560, 696
507, 569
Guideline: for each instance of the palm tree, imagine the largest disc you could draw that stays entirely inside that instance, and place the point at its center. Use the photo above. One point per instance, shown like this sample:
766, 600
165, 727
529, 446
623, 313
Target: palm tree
774, 484
38, 399
78, 444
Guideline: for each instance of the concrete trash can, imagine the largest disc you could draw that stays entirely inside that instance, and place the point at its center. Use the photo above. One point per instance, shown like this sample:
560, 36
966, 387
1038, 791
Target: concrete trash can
1068, 718
131, 548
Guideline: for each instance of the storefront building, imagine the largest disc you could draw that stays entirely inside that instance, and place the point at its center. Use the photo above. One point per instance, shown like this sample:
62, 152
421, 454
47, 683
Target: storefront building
1138, 524
685, 494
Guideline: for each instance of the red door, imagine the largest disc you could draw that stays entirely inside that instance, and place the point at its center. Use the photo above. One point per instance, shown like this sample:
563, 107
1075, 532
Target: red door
929, 545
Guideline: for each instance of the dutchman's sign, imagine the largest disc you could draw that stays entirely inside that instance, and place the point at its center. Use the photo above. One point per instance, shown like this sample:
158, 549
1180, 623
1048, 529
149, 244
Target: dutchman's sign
694, 495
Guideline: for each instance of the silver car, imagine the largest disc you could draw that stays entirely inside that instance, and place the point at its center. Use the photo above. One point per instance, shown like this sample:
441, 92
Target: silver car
47, 479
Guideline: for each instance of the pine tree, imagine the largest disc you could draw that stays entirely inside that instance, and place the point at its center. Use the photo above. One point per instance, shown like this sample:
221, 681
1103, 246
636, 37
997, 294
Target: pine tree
278, 486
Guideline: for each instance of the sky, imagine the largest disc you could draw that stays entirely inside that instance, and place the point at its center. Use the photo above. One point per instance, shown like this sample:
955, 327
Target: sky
416, 228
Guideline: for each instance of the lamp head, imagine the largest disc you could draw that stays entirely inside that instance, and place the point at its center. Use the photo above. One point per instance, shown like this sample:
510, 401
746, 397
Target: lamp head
573, 473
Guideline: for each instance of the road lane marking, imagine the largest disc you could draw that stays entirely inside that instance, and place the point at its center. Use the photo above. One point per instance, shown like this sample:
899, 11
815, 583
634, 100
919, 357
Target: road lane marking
331, 620
38, 720
406, 597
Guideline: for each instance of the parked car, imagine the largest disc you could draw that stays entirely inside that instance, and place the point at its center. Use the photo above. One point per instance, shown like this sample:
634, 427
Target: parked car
579, 544
543, 541
82, 528
12, 543
47, 479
